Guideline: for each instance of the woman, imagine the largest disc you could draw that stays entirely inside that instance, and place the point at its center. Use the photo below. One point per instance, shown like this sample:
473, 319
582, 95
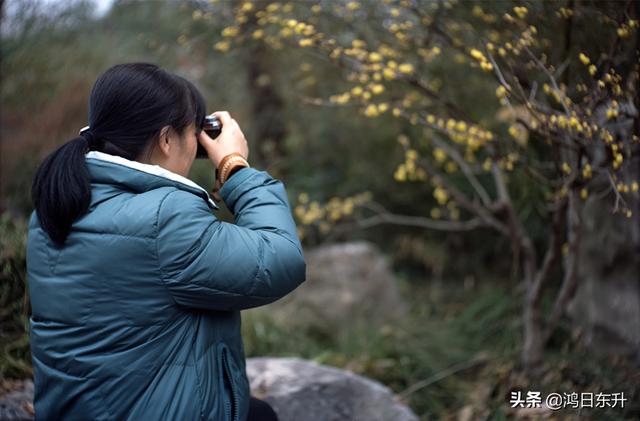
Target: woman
136, 287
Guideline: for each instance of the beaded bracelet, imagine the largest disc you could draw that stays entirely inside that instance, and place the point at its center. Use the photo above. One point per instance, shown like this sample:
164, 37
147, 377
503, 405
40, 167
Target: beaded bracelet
228, 163
232, 163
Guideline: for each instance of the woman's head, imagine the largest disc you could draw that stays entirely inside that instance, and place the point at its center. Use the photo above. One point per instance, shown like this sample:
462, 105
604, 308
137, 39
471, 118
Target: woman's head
135, 106
137, 111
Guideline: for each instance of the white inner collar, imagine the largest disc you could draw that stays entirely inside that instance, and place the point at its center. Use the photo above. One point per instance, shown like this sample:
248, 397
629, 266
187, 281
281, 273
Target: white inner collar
148, 168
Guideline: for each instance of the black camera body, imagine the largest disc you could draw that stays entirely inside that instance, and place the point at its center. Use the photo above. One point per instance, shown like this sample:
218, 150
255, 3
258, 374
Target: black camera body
212, 127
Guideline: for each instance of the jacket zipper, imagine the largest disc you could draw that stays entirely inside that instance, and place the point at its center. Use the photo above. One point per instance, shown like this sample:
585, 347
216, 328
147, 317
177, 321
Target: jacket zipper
227, 372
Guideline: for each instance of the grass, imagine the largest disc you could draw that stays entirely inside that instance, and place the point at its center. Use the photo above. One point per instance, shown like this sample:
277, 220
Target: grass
454, 356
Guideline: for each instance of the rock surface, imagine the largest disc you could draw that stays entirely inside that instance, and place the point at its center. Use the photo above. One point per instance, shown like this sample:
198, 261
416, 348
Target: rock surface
18, 404
303, 390
346, 283
297, 389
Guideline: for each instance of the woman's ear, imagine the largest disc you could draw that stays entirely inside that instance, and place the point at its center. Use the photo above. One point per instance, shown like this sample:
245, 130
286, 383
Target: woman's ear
164, 142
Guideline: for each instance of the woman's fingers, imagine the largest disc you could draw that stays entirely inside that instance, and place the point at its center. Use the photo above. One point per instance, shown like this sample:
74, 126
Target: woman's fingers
230, 140
223, 116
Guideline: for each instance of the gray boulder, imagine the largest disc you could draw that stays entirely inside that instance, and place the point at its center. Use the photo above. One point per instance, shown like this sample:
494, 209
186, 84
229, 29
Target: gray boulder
303, 390
346, 283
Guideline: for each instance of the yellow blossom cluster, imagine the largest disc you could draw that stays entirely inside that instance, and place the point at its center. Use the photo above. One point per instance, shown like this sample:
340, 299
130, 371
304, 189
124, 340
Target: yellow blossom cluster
461, 132
627, 187
520, 11
625, 30
310, 212
481, 59
573, 124
442, 197
408, 170
559, 95
515, 46
618, 157
508, 162
564, 13
613, 79
374, 110
477, 11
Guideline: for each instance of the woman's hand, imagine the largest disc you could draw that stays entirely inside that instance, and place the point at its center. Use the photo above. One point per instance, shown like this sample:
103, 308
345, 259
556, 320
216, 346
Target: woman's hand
230, 140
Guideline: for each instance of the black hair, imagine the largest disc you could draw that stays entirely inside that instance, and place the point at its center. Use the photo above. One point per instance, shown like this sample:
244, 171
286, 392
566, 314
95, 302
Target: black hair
129, 105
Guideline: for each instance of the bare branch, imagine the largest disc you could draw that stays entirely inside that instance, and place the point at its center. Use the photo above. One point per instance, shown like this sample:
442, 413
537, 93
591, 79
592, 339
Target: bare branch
570, 281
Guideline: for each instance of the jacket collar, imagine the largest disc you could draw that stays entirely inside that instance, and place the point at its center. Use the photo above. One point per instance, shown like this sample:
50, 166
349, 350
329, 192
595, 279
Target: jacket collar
139, 177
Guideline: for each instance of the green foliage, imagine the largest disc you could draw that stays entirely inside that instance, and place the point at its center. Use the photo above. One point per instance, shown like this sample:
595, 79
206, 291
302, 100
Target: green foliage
456, 350
15, 356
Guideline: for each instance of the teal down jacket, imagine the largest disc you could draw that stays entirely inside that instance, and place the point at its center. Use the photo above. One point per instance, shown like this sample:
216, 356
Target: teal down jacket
137, 317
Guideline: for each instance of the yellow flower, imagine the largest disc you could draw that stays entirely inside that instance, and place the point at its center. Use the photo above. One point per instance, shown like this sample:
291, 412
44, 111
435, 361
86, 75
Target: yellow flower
521, 11
486, 66
405, 68
593, 69
286, 32
257, 34
356, 91
371, 111
584, 59
584, 193
222, 46
377, 89
501, 91
388, 73
439, 155
566, 168
440, 195
477, 54
586, 171
305, 42
230, 31
375, 57
623, 32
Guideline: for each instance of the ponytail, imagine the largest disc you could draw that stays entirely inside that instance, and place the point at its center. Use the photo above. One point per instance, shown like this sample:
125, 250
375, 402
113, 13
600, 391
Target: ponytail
61, 190
129, 106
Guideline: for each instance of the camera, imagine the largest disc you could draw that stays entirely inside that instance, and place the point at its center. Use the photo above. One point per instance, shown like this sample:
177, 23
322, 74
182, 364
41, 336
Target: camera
212, 127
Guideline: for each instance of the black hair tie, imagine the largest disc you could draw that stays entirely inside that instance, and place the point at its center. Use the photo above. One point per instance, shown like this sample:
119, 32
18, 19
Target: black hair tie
93, 142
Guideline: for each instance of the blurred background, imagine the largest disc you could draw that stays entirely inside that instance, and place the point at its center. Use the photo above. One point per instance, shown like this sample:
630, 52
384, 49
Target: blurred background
464, 176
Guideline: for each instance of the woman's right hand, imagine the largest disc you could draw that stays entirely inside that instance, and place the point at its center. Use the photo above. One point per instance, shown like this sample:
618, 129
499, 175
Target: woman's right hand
230, 140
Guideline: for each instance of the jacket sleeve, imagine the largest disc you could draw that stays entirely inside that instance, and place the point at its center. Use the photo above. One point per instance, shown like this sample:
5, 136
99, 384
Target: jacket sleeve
210, 264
